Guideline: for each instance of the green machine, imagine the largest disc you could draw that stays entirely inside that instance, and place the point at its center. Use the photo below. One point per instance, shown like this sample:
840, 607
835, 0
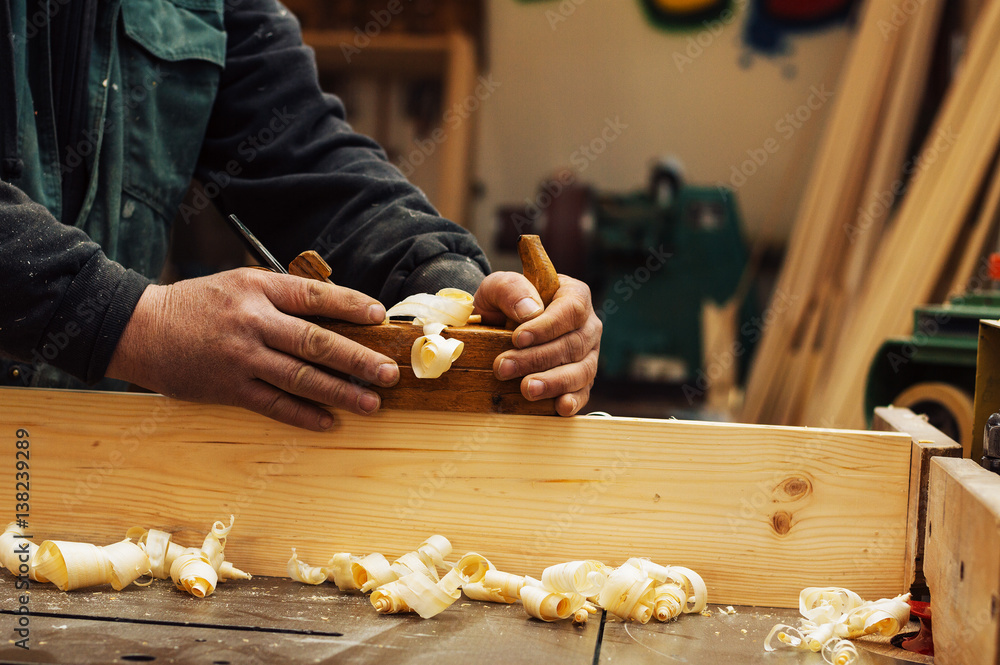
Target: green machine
933, 371
654, 259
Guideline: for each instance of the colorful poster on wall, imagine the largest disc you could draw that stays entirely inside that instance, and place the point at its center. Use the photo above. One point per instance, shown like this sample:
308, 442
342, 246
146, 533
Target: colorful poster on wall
682, 14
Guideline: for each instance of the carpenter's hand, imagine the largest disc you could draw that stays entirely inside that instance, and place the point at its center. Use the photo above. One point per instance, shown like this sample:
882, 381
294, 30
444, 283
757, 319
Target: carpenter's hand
237, 338
556, 349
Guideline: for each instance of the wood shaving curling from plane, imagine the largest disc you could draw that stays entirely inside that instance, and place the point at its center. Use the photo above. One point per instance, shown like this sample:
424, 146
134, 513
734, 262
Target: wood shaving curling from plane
432, 354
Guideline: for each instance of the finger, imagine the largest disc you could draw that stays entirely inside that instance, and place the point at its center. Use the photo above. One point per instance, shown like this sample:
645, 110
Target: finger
310, 297
571, 403
267, 400
304, 380
572, 347
560, 380
569, 310
507, 295
317, 345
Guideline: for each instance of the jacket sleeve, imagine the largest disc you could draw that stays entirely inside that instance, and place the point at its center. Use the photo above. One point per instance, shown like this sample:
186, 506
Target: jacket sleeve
63, 302
283, 158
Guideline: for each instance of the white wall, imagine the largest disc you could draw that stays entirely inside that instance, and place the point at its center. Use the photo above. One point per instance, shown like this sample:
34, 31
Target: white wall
560, 82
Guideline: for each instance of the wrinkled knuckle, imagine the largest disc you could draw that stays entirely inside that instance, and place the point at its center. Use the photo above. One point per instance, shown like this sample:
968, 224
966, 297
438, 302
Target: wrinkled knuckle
313, 295
300, 379
339, 394
580, 311
358, 362
270, 405
313, 343
578, 345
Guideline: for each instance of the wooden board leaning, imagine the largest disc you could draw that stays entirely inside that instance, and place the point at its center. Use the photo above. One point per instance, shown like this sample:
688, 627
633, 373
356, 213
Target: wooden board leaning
761, 512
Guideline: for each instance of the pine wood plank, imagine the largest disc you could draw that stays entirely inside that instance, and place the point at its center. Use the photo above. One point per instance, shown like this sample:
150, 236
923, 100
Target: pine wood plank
906, 92
738, 503
977, 246
928, 442
907, 267
834, 185
961, 562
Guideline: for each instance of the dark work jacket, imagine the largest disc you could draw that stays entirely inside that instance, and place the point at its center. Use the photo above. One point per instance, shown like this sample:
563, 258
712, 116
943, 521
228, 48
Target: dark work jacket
220, 90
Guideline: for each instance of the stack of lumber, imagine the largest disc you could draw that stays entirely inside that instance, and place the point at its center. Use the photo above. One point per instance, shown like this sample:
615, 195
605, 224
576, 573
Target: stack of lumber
852, 275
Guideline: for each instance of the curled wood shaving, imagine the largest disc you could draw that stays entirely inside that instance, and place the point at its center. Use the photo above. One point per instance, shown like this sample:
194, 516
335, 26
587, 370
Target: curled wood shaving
432, 354
831, 616
74, 565
582, 577
416, 592
635, 591
15, 550
839, 652
70, 565
197, 571
162, 553
549, 605
449, 306
306, 574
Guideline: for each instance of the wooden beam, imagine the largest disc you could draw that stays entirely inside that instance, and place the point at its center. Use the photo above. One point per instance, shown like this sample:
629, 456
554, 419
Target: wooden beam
928, 442
906, 268
961, 562
834, 185
761, 512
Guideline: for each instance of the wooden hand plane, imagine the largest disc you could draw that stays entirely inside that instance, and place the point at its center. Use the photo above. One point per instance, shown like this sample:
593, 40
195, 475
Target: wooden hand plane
470, 384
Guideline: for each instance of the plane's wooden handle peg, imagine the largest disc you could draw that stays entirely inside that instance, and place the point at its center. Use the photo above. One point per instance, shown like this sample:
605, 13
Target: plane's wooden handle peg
310, 265
537, 267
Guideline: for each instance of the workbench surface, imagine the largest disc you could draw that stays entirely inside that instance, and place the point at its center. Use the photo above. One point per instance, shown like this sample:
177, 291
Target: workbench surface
276, 620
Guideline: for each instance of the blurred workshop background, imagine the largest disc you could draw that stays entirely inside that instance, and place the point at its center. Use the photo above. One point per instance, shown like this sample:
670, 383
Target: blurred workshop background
763, 195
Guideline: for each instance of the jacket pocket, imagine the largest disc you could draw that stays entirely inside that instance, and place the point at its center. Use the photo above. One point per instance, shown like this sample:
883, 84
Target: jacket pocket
172, 54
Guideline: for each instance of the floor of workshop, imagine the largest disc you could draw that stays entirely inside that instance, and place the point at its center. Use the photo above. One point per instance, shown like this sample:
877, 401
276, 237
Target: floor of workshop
269, 620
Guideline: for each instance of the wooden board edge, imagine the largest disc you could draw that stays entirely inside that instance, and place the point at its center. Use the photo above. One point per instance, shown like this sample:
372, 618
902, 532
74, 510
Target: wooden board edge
961, 562
928, 442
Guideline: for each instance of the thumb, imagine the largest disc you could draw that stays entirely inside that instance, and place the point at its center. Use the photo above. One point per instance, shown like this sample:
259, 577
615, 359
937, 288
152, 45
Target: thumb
507, 295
